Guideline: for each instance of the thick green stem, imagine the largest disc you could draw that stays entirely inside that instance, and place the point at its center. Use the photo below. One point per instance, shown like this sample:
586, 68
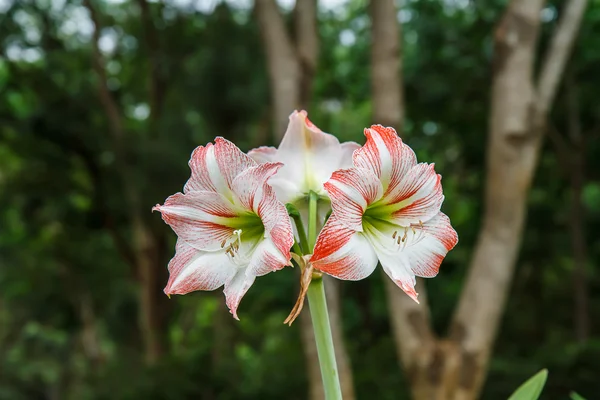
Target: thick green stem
320, 320
320, 316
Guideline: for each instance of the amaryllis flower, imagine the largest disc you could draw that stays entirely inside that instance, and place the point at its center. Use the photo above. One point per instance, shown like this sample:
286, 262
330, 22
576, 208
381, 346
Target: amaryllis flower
386, 208
230, 226
309, 155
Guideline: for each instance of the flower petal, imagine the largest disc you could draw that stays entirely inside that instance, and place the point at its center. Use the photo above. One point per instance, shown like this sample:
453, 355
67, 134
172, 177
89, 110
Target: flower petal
420, 251
351, 191
267, 258
309, 154
236, 288
342, 252
255, 194
277, 223
191, 270
385, 155
418, 196
215, 166
202, 219
399, 273
263, 154
348, 149
248, 185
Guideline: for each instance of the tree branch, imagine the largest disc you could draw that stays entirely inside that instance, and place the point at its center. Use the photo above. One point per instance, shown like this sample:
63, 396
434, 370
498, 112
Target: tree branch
106, 98
156, 82
558, 54
307, 44
386, 64
282, 63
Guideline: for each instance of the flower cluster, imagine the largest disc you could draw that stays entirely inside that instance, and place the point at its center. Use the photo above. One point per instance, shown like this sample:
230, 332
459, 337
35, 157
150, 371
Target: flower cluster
375, 204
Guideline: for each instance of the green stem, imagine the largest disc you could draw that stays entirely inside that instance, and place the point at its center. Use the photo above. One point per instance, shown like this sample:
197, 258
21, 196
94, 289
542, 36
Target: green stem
297, 249
301, 233
313, 199
320, 317
320, 320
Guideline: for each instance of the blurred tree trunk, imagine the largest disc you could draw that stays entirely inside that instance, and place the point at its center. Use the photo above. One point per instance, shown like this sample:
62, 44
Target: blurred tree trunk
282, 63
455, 368
292, 66
145, 258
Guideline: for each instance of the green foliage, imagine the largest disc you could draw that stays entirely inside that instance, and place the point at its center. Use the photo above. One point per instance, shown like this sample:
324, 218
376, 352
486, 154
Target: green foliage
532, 389
69, 291
575, 396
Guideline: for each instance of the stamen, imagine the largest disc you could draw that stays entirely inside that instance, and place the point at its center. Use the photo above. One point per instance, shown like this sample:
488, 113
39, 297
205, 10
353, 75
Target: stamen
405, 234
398, 240
234, 243
394, 235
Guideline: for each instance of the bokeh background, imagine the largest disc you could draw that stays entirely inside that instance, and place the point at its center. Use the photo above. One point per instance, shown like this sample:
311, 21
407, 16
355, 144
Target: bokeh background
101, 104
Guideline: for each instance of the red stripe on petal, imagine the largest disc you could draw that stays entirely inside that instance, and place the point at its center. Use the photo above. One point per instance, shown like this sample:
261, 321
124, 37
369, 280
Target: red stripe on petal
231, 160
418, 196
343, 253
202, 219
351, 191
191, 270
386, 155
332, 238
200, 179
276, 221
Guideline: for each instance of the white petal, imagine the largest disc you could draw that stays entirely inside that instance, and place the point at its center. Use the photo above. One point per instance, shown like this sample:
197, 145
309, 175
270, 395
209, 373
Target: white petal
191, 270
343, 252
202, 219
417, 250
348, 149
263, 154
267, 258
236, 288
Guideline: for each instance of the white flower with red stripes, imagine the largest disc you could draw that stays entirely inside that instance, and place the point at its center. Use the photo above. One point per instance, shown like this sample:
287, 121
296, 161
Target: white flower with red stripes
230, 226
309, 156
386, 208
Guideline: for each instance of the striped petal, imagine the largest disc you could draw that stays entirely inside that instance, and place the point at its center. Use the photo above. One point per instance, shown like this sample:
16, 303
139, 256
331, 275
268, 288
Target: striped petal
214, 167
417, 250
267, 257
343, 252
202, 219
249, 185
386, 156
418, 196
351, 191
191, 270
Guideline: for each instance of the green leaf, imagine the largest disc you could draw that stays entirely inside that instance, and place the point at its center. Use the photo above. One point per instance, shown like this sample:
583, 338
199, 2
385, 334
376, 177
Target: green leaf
575, 396
531, 389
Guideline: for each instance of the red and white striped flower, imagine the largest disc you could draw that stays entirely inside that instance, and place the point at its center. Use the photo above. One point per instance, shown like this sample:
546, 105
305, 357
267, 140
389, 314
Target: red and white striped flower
386, 208
309, 156
230, 226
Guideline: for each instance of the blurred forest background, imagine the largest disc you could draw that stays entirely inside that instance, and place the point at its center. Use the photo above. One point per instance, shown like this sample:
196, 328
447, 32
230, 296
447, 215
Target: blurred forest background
102, 103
